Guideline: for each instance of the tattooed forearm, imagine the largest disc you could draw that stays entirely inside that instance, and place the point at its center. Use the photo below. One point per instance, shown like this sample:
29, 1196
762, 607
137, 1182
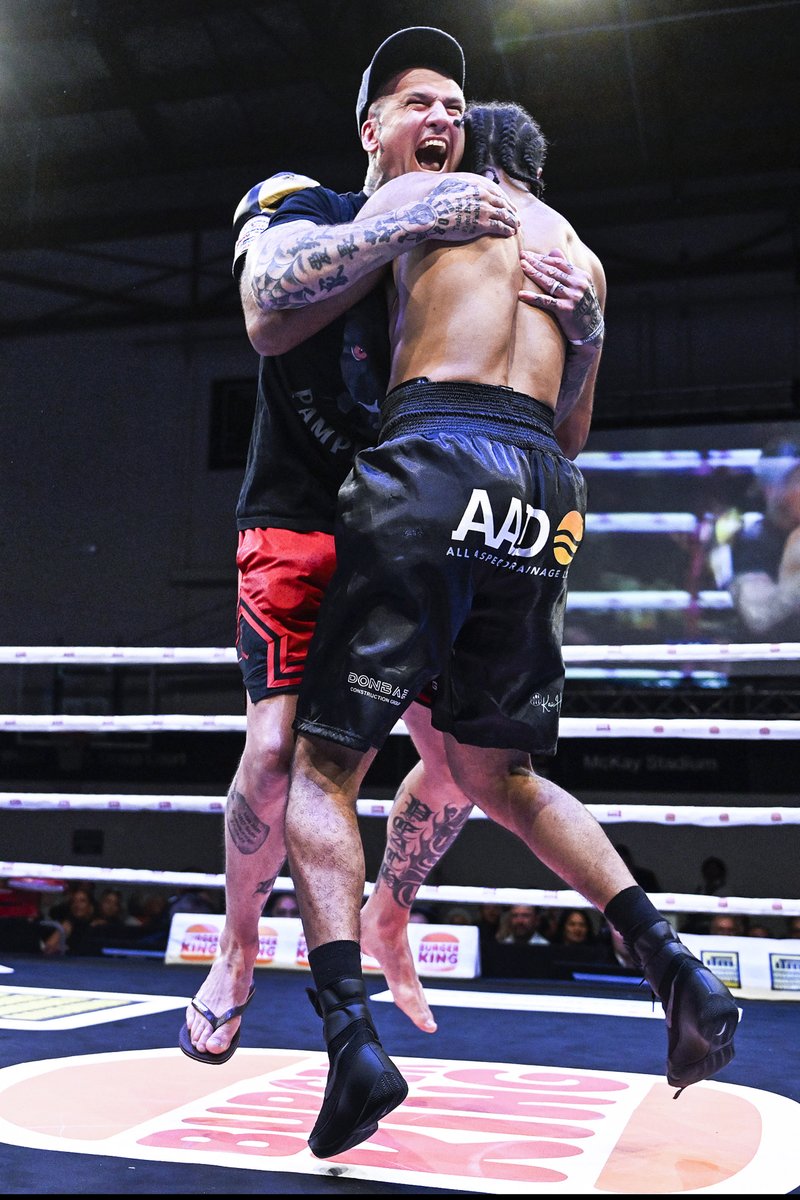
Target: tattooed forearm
588, 311
328, 259
417, 839
247, 832
573, 379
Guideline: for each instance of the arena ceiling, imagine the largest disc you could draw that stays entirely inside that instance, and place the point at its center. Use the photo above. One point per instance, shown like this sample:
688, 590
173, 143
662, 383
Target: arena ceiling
122, 121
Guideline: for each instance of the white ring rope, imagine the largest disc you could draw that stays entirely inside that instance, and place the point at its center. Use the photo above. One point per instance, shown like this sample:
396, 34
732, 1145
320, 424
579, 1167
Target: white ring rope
575, 727
683, 652
664, 901
224, 655
696, 461
645, 814
674, 599
113, 655
586, 727
697, 815
659, 522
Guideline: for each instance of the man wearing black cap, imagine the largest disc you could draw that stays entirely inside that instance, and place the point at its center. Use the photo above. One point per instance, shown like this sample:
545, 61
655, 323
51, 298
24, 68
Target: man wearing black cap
420, 47
307, 268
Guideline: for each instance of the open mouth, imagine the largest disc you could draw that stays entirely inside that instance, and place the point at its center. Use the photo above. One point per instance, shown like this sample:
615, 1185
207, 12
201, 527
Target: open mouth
432, 154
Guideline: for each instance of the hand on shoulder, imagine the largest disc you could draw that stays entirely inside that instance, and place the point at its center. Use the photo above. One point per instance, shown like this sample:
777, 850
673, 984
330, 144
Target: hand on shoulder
567, 291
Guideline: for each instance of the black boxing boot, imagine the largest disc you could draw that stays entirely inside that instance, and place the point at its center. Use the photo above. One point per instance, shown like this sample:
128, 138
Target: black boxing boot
363, 1083
701, 1013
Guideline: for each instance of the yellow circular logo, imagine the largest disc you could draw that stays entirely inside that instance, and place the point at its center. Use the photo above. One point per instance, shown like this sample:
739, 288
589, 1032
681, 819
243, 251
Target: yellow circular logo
568, 537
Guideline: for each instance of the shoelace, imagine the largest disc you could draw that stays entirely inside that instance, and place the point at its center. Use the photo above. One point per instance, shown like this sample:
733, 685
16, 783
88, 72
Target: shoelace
653, 998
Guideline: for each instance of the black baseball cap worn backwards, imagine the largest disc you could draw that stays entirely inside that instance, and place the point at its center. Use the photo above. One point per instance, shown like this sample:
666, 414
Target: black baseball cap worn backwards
419, 46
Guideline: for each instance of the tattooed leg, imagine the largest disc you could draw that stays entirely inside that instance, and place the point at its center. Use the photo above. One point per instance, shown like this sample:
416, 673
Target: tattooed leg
255, 852
428, 814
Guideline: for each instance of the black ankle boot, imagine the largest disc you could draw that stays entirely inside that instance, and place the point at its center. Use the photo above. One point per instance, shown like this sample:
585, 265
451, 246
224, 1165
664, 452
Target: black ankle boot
701, 1013
363, 1083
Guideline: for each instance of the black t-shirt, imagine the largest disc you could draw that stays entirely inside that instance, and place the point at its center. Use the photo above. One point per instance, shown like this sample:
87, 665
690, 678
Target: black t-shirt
316, 405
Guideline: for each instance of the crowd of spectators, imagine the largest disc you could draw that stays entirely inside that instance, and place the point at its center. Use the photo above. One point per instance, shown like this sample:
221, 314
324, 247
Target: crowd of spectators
52, 918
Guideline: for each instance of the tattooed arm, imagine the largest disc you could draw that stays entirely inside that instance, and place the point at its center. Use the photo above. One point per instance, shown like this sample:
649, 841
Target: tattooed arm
299, 276
576, 399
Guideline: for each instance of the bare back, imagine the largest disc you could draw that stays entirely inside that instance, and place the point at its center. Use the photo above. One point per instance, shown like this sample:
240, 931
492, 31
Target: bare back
455, 312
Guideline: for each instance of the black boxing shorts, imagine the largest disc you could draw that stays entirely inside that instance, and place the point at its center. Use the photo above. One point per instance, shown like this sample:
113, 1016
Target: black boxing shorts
454, 539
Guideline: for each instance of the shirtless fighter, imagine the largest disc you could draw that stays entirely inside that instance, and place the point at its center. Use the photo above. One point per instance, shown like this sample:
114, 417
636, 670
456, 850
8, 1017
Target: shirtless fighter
454, 537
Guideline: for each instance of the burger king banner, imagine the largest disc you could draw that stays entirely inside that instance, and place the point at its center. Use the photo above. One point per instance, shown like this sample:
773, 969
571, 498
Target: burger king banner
439, 950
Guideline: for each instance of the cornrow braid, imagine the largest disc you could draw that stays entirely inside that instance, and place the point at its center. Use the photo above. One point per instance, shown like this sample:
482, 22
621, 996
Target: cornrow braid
504, 135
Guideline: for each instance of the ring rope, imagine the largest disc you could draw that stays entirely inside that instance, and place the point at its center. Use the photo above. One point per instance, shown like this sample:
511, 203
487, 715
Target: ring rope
225, 655
664, 901
587, 727
656, 522
667, 460
644, 814
673, 599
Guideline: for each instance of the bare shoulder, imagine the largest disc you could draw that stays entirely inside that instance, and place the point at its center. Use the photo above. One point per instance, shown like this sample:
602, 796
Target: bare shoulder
550, 229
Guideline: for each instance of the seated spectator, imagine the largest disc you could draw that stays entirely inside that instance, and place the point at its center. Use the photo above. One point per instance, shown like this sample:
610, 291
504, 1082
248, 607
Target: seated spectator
25, 927
282, 904
77, 923
148, 921
420, 915
60, 909
574, 928
713, 882
110, 911
615, 948
548, 922
726, 925
519, 926
457, 914
792, 928
145, 928
489, 917
146, 909
714, 875
643, 875
192, 900
758, 929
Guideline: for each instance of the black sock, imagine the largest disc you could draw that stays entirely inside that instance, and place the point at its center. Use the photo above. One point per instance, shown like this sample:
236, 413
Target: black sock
631, 912
334, 961
330, 963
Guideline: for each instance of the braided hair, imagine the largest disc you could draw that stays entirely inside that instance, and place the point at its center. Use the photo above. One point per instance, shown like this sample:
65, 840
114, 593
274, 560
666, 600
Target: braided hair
504, 135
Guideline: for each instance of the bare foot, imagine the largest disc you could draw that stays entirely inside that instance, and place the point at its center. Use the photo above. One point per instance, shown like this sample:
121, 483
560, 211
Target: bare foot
226, 985
388, 945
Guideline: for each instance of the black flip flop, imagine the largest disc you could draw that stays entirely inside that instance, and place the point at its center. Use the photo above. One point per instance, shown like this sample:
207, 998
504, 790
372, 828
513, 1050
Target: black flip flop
205, 1056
